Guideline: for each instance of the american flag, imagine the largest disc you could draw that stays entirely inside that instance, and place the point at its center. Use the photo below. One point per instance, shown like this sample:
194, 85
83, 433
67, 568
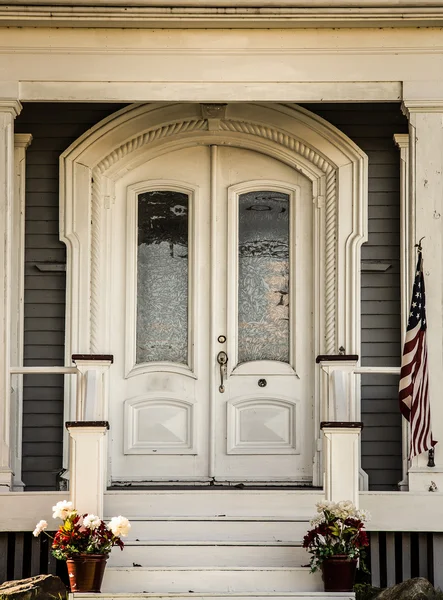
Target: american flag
414, 387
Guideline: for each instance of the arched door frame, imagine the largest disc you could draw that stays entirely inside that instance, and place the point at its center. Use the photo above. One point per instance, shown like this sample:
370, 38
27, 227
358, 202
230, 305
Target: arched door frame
337, 168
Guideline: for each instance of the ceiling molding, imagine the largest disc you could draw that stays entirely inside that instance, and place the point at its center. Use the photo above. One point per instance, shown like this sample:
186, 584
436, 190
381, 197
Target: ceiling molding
223, 14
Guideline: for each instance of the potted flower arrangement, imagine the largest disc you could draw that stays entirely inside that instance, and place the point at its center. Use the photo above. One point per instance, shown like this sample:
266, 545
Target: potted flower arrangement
336, 542
84, 541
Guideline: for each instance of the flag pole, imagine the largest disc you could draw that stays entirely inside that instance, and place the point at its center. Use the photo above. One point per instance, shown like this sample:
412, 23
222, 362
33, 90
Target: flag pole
431, 451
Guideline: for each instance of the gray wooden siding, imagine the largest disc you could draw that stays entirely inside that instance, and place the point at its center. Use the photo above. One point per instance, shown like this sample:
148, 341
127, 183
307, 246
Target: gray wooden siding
54, 127
371, 127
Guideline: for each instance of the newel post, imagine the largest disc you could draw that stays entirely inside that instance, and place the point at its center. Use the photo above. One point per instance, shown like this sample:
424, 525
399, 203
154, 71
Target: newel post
341, 429
88, 456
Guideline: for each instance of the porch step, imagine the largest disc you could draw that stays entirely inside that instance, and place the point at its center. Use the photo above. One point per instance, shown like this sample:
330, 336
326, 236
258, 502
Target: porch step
219, 529
225, 596
217, 580
210, 502
210, 554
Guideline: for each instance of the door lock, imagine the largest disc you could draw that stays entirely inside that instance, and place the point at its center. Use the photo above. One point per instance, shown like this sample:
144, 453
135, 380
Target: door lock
222, 359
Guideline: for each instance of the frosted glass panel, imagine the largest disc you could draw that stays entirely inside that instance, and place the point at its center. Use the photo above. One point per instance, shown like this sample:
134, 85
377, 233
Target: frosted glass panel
263, 286
162, 277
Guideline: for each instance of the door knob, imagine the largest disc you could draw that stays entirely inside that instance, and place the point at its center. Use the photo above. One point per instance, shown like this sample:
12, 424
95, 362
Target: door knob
222, 359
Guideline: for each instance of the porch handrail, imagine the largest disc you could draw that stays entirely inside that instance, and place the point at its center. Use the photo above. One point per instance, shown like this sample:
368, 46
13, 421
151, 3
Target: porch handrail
381, 370
44, 370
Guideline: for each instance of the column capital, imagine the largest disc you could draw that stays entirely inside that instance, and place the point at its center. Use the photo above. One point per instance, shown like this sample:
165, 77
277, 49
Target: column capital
14, 107
401, 140
22, 140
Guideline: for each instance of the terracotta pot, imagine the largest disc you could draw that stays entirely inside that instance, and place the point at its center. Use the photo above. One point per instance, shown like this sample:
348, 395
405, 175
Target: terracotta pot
338, 573
86, 572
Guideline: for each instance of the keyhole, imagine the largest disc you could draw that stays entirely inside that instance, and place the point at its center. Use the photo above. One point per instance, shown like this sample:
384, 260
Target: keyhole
262, 383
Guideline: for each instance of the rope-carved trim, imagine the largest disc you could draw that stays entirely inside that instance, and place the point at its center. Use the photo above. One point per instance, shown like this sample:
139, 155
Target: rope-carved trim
96, 205
279, 137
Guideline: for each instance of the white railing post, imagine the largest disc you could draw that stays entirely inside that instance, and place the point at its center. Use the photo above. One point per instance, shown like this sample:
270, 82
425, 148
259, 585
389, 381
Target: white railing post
88, 458
341, 429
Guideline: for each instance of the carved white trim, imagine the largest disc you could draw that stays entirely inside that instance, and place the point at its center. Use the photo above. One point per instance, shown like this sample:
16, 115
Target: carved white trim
255, 129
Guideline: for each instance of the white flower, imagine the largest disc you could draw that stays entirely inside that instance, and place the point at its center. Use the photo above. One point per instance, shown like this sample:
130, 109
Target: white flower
91, 522
119, 526
325, 505
364, 515
62, 510
41, 526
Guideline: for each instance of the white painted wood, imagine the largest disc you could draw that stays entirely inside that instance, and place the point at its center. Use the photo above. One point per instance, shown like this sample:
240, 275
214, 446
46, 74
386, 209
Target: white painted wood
8, 111
244, 451
21, 143
218, 529
263, 579
342, 462
87, 468
20, 511
92, 404
171, 555
224, 596
183, 60
407, 266
201, 503
426, 190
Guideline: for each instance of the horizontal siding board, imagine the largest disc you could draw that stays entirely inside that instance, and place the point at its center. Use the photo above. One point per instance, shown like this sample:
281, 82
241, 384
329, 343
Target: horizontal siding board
42, 420
43, 434
42, 449
44, 324
45, 311
388, 448
45, 338
43, 406
40, 281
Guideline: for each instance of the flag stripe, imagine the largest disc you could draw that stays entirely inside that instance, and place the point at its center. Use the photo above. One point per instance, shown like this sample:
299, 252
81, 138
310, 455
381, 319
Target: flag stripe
414, 385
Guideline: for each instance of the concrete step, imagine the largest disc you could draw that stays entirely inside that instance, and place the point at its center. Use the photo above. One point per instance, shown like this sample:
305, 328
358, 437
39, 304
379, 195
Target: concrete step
217, 580
212, 502
215, 596
248, 529
209, 554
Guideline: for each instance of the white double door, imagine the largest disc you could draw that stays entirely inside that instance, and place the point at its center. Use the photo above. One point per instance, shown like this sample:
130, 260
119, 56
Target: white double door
211, 262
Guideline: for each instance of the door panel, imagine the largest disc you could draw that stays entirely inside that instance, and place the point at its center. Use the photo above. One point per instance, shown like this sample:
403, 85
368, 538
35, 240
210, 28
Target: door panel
210, 242
160, 383
266, 408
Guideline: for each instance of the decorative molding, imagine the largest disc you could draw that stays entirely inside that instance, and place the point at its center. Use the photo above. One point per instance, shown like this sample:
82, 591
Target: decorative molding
272, 134
176, 423
148, 137
95, 308
244, 13
284, 433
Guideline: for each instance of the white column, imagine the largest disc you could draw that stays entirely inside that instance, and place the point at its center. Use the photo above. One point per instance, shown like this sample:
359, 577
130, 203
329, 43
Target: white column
21, 143
407, 268
339, 389
87, 465
342, 461
8, 111
426, 196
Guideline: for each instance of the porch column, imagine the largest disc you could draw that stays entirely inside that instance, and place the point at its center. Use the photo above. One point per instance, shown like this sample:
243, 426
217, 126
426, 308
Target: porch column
88, 456
9, 109
426, 197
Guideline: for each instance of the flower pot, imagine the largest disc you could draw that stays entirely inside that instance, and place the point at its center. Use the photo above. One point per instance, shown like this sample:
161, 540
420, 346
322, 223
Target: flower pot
86, 572
338, 573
